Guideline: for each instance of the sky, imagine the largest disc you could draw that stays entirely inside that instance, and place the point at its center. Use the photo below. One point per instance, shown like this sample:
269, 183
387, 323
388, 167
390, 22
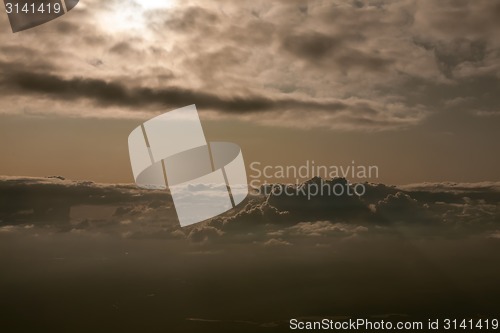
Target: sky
408, 86
401, 85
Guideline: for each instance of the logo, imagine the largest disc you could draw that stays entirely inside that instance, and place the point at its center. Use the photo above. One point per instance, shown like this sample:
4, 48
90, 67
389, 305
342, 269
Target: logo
204, 179
26, 14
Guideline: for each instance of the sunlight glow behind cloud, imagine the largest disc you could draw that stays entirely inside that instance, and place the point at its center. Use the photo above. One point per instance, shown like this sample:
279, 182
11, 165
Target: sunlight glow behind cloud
151, 4
129, 16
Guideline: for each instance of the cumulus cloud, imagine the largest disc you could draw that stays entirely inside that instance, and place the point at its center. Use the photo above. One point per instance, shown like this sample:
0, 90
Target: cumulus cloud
288, 213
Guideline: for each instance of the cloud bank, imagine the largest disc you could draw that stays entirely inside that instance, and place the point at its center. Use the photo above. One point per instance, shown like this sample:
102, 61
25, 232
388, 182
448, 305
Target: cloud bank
116, 255
441, 209
353, 65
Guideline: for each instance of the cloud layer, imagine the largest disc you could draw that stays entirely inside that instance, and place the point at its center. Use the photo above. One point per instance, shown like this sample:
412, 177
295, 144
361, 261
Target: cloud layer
351, 65
277, 218
116, 255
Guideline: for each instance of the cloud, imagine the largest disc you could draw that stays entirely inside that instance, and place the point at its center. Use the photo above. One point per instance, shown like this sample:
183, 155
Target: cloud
113, 94
328, 64
422, 210
276, 243
50, 201
357, 66
325, 229
322, 49
204, 234
403, 208
289, 213
117, 232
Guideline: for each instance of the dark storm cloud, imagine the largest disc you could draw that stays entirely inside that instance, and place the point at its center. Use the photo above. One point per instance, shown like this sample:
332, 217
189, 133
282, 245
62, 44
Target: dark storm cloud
324, 50
50, 200
426, 210
443, 209
113, 93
